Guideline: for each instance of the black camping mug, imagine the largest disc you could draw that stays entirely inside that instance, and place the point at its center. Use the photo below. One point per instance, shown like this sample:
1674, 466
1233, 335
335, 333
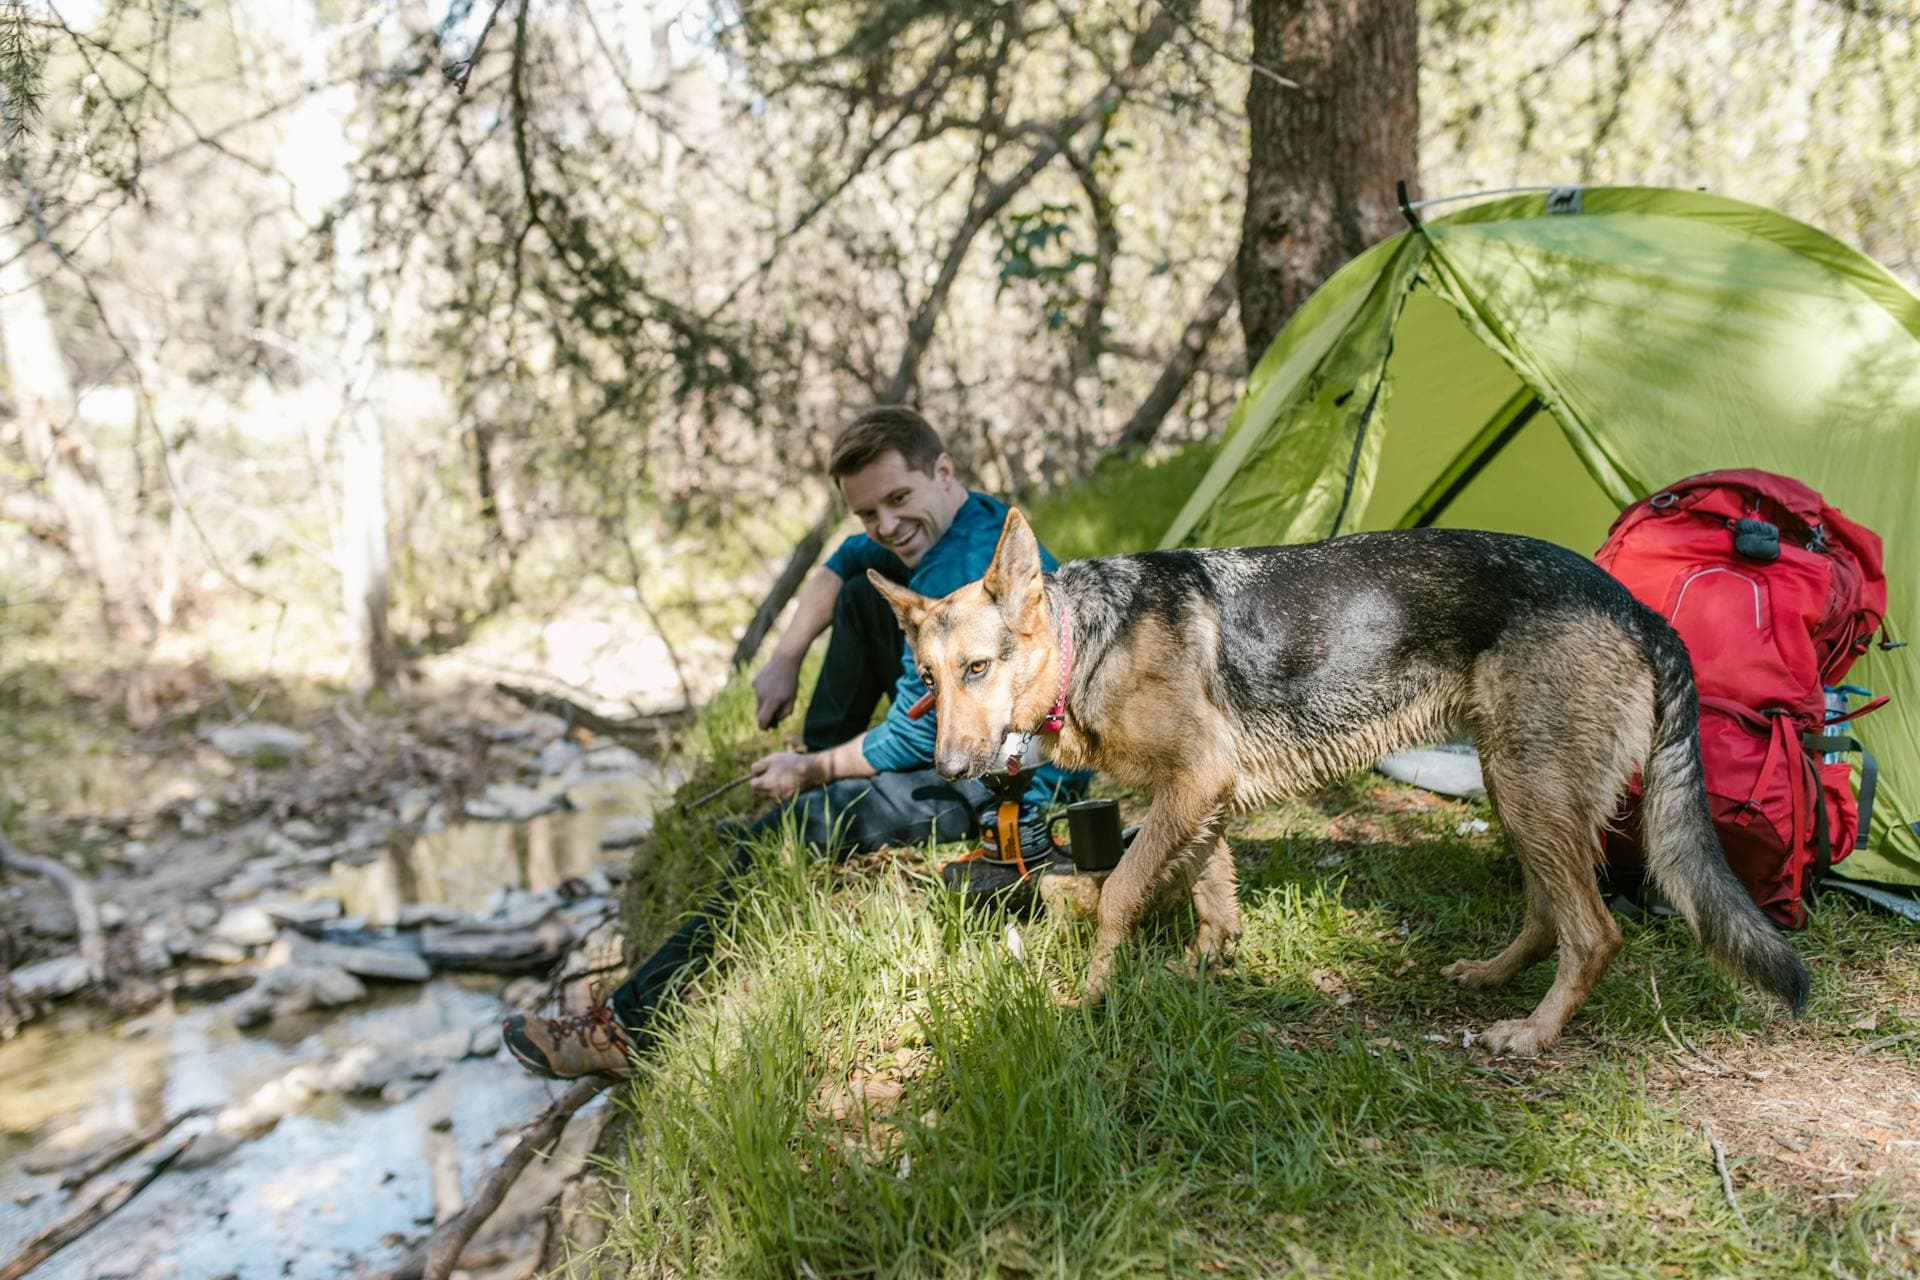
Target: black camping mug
1093, 834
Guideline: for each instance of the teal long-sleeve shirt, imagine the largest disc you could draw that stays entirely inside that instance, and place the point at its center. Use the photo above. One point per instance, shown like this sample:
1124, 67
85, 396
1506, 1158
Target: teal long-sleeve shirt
960, 556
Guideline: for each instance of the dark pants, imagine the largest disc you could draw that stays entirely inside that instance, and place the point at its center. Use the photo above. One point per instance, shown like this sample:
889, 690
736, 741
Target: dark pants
849, 816
860, 667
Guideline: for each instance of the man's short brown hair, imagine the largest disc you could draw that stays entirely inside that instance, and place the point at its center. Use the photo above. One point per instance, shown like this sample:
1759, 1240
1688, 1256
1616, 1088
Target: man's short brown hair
878, 431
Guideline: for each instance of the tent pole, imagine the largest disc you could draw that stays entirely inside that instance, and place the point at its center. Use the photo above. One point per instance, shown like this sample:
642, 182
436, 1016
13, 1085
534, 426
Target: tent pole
1515, 415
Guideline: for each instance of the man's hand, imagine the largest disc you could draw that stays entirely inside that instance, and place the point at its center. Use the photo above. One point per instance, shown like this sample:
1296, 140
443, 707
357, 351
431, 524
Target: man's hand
785, 773
774, 690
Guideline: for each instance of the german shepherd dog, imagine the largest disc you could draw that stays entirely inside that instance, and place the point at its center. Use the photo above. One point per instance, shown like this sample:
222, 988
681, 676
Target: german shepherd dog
1218, 680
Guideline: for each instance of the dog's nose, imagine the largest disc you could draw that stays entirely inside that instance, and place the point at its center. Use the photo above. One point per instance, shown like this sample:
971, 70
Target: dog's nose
953, 764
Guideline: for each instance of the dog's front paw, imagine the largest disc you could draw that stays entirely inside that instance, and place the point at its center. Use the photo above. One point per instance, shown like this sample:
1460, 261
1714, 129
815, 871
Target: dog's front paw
1211, 948
1473, 973
1088, 997
1516, 1038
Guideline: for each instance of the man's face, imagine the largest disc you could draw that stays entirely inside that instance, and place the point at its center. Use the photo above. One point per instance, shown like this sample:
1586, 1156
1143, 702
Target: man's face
904, 510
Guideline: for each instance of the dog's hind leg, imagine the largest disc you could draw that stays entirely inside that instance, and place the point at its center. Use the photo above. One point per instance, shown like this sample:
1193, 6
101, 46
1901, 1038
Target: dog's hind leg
1534, 944
1216, 901
1558, 752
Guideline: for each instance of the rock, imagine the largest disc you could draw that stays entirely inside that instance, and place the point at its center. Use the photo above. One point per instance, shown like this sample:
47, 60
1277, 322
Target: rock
204, 984
365, 962
415, 914
413, 804
506, 948
298, 911
200, 915
205, 1149
51, 979
614, 758
303, 831
366, 835
113, 915
295, 988
398, 1091
484, 1041
361, 1069
557, 755
258, 741
280, 848
624, 831
153, 957
524, 995
438, 1051
246, 927
508, 802
54, 920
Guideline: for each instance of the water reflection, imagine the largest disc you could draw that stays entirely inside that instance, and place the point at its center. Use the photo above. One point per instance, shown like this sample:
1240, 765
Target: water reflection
465, 866
335, 1186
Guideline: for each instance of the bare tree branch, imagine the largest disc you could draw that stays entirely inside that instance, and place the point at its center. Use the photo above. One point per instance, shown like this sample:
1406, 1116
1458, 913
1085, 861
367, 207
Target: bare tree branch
1173, 380
86, 910
988, 203
466, 65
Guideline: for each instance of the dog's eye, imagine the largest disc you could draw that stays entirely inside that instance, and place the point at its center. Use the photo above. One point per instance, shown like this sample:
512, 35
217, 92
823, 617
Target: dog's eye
978, 667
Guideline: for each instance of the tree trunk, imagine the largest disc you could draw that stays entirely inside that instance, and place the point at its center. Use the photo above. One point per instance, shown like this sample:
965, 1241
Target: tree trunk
45, 405
1325, 154
365, 558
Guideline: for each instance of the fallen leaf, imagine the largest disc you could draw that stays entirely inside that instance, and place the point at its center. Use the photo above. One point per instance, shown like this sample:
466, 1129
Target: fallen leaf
1327, 980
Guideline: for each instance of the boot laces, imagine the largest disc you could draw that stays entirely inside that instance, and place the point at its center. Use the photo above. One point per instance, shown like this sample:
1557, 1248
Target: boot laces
595, 1026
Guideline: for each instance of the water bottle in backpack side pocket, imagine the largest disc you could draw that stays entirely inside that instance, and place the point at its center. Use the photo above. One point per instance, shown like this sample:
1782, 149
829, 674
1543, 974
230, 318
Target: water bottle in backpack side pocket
1836, 698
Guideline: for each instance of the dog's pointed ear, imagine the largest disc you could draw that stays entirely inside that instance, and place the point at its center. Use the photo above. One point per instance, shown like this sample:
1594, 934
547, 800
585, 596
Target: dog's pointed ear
1012, 581
908, 606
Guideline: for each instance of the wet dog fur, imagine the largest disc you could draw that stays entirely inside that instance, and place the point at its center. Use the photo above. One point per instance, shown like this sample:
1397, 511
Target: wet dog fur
1218, 680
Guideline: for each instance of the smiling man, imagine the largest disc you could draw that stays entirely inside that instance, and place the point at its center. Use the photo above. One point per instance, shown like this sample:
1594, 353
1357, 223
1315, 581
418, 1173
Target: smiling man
923, 529
853, 788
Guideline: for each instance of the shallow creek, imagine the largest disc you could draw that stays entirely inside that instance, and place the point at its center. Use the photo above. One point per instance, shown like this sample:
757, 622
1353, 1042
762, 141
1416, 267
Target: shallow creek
340, 1185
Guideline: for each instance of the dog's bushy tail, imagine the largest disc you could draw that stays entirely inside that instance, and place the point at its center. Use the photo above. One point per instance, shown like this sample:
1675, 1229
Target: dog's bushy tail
1682, 852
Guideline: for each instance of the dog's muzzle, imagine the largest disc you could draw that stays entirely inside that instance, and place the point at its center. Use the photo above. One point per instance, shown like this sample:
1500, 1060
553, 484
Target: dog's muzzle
1018, 753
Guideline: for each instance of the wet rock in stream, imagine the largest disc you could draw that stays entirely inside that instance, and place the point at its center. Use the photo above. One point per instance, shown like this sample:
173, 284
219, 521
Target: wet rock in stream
295, 988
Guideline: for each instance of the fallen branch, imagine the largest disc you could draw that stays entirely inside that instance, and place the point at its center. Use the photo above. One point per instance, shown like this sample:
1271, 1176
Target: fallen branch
101, 1161
86, 911
653, 726
1884, 1041
1680, 1042
76, 1224
1726, 1177
437, 1257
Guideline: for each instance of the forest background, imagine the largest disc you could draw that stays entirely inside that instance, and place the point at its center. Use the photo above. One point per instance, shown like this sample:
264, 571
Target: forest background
348, 347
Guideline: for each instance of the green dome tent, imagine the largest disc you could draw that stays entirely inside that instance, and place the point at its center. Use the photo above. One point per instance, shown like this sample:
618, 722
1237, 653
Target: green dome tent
1538, 361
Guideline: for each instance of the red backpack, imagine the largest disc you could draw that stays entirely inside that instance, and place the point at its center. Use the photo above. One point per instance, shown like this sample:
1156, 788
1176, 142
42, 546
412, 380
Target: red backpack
1776, 594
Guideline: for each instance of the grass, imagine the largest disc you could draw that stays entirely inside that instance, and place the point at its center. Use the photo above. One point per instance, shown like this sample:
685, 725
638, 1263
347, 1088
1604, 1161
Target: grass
1309, 1111
1125, 505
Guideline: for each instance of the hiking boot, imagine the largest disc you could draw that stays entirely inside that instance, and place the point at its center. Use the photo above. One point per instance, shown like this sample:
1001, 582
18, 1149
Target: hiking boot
985, 878
584, 1044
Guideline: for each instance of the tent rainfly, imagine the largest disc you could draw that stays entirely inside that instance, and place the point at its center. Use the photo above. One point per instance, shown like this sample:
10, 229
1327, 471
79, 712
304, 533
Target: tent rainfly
1536, 362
